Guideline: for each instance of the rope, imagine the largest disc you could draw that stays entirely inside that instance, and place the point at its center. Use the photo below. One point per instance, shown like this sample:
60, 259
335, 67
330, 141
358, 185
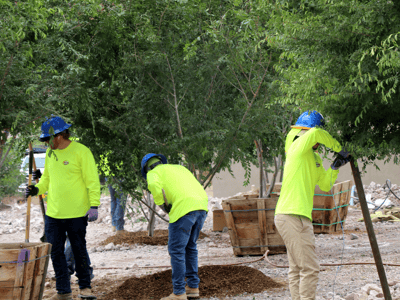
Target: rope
331, 208
332, 265
332, 195
329, 224
250, 209
155, 267
23, 261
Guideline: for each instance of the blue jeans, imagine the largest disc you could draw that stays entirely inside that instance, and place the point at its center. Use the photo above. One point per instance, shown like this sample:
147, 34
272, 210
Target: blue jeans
182, 247
69, 256
118, 204
56, 230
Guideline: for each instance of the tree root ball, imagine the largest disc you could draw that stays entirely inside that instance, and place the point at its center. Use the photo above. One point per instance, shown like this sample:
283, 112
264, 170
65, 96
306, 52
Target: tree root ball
215, 281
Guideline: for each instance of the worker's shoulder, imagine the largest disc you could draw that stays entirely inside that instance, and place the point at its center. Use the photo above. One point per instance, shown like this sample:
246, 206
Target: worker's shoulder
80, 147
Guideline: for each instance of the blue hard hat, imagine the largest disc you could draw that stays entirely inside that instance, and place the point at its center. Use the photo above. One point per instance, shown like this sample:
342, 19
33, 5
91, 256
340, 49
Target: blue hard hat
309, 120
58, 125
146, 158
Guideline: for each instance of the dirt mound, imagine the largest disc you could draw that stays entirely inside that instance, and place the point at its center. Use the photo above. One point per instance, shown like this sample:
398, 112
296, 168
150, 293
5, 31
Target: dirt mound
142, 237
215, 281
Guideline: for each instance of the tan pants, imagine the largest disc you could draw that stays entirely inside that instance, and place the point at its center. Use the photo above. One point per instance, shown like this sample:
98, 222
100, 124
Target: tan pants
298, 235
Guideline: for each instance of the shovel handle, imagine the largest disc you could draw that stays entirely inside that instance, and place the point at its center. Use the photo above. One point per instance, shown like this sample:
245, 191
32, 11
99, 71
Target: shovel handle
40, 196
28, 207
165, 198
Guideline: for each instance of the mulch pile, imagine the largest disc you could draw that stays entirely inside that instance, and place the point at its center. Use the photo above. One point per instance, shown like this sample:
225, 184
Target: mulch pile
215, 281
142, 237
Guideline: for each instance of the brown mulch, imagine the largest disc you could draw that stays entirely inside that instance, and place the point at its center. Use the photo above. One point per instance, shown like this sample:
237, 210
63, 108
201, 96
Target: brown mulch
215, 281
142, 237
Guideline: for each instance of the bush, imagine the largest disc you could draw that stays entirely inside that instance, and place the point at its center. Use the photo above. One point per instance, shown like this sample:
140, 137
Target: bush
10, 176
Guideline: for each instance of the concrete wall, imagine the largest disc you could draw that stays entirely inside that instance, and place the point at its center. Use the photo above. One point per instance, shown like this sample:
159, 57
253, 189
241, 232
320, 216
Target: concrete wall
224, 185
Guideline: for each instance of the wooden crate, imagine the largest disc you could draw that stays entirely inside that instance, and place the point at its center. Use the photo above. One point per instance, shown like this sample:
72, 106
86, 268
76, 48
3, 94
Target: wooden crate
250, 221
326, 207
324, 214
23, 269
219, 222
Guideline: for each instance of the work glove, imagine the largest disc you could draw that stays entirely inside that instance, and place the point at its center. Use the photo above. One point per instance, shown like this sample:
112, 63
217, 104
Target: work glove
31, 190
165, 208
36, 174
340, 161
344, 152
92, 214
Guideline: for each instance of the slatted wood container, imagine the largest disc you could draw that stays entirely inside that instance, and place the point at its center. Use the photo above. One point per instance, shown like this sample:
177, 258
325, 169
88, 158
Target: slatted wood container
23, 269
324, 214
328, 204
250, 221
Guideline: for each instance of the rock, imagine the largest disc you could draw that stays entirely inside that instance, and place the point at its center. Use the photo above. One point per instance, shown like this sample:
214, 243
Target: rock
371, 287
100, 249
109, 247
392, 283
379, 295
124, 248
225, 230
353, 236
352, 297
47, 284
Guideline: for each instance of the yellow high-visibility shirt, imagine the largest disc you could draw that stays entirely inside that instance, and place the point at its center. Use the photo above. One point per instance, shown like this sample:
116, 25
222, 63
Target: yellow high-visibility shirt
303, 171
70, 177
181, 188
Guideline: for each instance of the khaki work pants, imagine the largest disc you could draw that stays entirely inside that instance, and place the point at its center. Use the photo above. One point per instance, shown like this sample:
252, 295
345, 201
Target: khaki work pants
298, 235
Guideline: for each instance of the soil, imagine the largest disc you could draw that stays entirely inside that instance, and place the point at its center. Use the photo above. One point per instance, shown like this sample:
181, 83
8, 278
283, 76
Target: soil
215, 281
142, 237
135, 267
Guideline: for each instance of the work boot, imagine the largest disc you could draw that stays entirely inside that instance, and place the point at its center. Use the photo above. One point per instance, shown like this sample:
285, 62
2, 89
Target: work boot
175, 297
86, 294
62, 297
192, 292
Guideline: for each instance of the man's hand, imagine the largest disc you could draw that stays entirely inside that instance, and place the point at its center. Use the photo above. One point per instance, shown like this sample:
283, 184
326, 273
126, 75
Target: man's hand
165, 208
92, 214
344, 152
36, 174
31, 190
340, 161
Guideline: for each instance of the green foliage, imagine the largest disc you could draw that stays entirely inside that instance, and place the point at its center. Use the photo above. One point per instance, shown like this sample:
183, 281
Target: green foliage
10, 176
340, 58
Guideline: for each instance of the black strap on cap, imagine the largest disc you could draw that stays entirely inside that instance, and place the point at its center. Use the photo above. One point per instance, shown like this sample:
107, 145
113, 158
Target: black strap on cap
149, 168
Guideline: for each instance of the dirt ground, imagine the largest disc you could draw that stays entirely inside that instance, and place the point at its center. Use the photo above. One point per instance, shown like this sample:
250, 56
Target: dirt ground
128, 268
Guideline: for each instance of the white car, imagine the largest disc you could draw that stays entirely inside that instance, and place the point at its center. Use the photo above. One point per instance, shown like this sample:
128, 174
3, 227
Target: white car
39, 160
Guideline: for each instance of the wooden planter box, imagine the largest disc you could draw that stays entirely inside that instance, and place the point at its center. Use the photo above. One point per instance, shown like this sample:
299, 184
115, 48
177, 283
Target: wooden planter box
251, 225
326, 208
324, 214
23, 269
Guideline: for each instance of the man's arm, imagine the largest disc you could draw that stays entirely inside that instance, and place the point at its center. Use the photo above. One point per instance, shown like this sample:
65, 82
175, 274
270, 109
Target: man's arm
91, 178
312, 137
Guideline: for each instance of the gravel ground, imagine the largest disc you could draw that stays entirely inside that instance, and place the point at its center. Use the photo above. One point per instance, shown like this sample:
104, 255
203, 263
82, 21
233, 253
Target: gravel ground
114, 263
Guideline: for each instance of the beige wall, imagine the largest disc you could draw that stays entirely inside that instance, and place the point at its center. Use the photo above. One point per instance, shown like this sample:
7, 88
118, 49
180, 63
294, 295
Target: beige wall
224, 185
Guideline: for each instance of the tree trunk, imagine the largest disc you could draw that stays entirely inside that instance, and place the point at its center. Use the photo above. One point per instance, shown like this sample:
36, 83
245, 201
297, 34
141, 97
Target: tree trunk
152, 219
260, 165
277, 161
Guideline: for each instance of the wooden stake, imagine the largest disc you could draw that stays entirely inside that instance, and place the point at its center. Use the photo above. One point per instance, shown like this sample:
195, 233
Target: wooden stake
370, 230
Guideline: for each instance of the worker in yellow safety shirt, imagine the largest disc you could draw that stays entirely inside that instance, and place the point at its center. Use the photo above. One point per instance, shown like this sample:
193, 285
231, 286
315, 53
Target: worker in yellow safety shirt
303, 171
178, 192
70, 177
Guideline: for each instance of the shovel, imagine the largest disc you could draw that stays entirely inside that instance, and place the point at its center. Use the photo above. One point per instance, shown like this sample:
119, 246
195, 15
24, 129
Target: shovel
28, 207
43, 239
